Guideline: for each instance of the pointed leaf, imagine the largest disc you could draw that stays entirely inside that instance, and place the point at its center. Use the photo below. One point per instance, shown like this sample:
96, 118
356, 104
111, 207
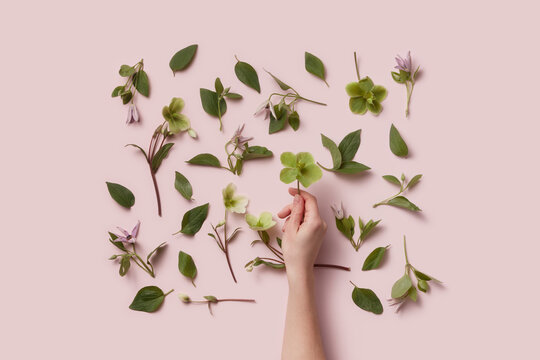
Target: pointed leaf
374, 259
256, 152
392, 179
403, 202
401, 287
349, 145
183, 58
352, 167
209, 101
187, 266
247, 75
205, 160
334, 151
182, 184
367, 300
148, 299
315, 66
414, 181
160, 155
281, 84
158, 248
140, 79
194, 219
121, 194
397, 144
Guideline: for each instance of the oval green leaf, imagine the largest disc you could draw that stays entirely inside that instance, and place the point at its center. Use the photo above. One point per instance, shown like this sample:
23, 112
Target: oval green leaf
183, 58
209, 100
148, 299
349, 145
187, 266
392, 179
315, 66
374, 259
205, 160
121, 194
182, 184
334, 151
352, 167
140, 79
194, 219
397, 144
247, 75
367, 300
401, 287
403, 202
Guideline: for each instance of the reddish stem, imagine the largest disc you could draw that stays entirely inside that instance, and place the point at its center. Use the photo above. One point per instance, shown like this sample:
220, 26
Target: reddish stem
345, 268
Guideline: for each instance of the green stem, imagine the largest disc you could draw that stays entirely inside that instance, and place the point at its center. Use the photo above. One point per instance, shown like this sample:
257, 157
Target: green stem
298, 186
168, 292
219, 114
409, 93
311, 101
356, 66
405, 248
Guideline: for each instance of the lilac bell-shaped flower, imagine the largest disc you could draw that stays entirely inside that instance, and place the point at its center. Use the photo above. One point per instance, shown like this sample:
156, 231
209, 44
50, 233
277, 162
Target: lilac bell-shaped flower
133, 114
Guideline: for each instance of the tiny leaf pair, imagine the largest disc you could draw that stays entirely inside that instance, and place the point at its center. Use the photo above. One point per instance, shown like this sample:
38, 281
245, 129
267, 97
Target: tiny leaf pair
342, 155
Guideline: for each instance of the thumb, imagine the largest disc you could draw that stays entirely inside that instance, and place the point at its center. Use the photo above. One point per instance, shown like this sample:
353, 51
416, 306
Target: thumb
297, 215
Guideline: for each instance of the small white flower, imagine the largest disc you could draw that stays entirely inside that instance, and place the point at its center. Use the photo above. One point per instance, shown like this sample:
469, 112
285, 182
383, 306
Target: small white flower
339, 213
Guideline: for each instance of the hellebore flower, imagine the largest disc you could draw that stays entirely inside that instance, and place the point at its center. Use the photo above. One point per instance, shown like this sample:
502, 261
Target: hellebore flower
177, 122
233, 202
365, 95
261, 223
299, 167
127, 237
132, 115
339, 213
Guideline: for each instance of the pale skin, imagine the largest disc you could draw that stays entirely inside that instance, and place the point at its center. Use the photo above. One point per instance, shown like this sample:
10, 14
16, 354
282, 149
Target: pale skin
303, 235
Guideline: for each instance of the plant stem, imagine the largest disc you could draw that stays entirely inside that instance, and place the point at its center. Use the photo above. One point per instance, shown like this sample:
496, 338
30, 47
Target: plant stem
345, 268
239, 300
168, 292
298, 186
229, 263
158, 198
226, 247
405, 248
409, 93
356, 66
311, 101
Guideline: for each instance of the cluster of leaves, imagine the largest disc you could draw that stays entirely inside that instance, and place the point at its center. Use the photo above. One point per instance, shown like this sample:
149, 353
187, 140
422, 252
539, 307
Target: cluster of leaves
364, 94
284, 112
121, 194
238, 151
397, 144
300, 167
398, 200
213, 102
343, 155
346, 226
404, 289
128, 256
136, 81
210, 300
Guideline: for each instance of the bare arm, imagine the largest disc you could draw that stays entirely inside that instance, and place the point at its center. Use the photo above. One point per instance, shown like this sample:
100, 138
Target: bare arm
303, 234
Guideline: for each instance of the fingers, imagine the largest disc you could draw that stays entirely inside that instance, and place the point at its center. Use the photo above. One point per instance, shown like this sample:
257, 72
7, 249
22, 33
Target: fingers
297, 215
311, 207
286, 211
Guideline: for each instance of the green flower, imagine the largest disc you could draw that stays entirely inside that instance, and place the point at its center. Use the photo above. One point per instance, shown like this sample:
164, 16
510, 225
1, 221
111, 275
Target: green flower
261, 223
365, 96
233, 202
299, 167
177, 122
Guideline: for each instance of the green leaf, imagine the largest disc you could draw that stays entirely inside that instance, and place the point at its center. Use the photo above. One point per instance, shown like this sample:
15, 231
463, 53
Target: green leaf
148, 299
140, 148
294, 120
397, 78
403, 202
209, 100
205, 160
247, 75
270, 264
423, 285
126, 97
358, 105
187, 267
315, 66
183, 58
117, 90
368, 228
140, 79
392, 179
278, 240
125, 263
401, 287
218, 86
414, 181
281, 84
346, 226
154, 252
374, 259
182, 184
421, 276
211, 298
118, 244
352, 167
277, 124
397, 145
367, 300
334, 151
349, 145
413, 294
256, 152
233, 96
194, 219
121, 194
126, 70
160, 155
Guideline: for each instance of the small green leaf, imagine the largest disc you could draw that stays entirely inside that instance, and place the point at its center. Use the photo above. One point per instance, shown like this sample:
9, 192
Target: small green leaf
334, 151
140, 79
126, 70
401, 287
183, 58
160, 155
209, 100
148, 299
218, 86
182, 184
211, 298
194, 219
140, 148
155, 252
233, 96
125, 263
247, 75
117, 90
281, 84
315, 66
392, 179
186, 266
397, 144
367, 300
423, 285
349, 145
403, 202
294, 120
118, 244
413, 294
414, 181
421, 276
277, 124
205, 160
256, 152
397, 78
278, 240
126, 97
352, 167
368, 228
374, 259
346, 226
121, 194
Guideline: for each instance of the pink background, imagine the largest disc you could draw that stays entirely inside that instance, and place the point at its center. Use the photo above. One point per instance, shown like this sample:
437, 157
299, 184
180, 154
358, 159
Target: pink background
472, 133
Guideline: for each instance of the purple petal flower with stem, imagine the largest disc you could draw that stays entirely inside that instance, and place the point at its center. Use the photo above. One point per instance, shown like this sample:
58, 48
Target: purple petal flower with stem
127, 237
406, 76
404, 64
133, 114
239, 140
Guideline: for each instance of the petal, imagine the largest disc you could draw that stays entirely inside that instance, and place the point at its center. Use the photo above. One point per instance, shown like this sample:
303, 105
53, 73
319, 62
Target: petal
251, 220
238, 204
288, 175
379, 92
228, 192
304, 158
135, 230
310, 174
123, 231
178, 122
135, 114
288, 159
366, 84
375, 107
353, 89
358, 105
177, 104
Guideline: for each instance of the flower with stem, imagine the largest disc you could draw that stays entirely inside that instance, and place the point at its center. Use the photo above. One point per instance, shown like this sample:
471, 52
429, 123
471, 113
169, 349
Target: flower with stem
174, 123
122, 241
210, 300
300, 167
236, 204
364, 94
136, 82
405, 76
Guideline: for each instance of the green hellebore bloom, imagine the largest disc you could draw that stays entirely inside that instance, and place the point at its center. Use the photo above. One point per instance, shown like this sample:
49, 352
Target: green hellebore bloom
365, 96
177, 122
261, 223
233, 202
299, 167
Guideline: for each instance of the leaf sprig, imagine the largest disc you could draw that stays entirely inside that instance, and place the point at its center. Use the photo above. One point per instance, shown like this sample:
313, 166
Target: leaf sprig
128, 256
404, 289
285, 110
343, 155
397, 200
213, 102
210, 300
346, 226
136, 82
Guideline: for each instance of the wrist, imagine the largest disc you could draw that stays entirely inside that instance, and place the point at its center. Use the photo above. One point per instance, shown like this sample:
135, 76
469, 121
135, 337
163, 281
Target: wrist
299, 275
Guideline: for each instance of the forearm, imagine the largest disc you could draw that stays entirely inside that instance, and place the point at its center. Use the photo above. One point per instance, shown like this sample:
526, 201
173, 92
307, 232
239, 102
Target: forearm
302, 336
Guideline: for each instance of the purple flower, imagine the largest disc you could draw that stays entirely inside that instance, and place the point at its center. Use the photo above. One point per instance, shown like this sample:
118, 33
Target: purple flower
133, 114
240, 140
267, 108
404, 64
127, 237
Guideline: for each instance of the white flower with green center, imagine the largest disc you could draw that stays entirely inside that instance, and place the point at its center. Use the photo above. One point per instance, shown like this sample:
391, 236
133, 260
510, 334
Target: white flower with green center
299, 167
233, 202
261, 223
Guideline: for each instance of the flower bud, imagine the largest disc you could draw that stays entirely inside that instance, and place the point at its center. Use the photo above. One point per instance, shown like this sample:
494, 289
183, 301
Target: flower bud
184, 298
192, 133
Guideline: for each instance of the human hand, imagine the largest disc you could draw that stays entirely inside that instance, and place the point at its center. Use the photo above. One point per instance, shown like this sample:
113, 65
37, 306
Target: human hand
304, 230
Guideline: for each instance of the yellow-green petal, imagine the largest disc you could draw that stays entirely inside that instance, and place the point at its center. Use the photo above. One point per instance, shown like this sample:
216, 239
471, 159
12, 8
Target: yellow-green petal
304, 158
177, 104
228, 192
288, 175
354, 90
375, 107
251, 220
288, 159
379, 92
179, 122
366, 84
310, 174
358, 105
